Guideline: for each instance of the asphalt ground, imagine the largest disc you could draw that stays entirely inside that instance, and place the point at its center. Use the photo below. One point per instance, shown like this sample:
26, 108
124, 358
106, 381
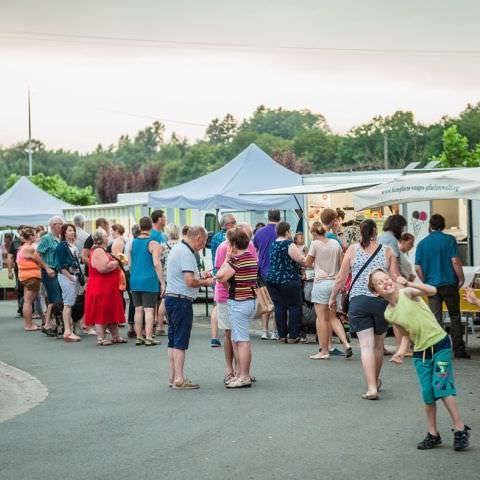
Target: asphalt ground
109, 414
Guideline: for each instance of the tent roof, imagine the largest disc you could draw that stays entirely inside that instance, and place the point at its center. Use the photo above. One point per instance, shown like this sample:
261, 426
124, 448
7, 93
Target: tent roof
463, 183
315, 188
250, 170
26, 204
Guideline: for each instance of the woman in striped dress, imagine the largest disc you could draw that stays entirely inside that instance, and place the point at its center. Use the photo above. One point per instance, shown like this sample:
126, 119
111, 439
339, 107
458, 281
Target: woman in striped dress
240, 270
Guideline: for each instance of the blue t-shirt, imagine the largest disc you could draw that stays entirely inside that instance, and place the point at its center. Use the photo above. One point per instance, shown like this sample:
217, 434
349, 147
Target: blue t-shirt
143, 277
158, 236
217, 239
282, 268
334, 236
434, 255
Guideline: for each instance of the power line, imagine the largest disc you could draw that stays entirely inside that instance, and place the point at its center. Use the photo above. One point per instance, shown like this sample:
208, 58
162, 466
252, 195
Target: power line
149, 117
130, 41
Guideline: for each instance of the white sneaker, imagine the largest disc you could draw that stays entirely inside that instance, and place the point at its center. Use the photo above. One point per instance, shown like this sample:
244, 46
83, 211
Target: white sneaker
264, 335
274, 336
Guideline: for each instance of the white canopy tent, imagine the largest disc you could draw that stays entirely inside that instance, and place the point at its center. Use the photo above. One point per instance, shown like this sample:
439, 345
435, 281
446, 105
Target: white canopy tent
313, 188
26, 204
443, 184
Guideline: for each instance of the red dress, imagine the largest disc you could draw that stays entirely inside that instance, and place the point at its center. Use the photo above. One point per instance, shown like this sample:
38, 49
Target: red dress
103, 304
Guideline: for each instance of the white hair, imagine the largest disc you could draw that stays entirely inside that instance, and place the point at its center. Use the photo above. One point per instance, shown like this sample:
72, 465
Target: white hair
55, 219
79, 220
99, 235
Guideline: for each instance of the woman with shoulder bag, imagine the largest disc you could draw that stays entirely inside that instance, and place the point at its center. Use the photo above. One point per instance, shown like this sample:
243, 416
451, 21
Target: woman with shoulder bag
67, 266
366, 310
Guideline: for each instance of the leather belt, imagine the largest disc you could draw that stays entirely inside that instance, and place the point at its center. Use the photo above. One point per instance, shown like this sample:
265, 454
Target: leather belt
176, 295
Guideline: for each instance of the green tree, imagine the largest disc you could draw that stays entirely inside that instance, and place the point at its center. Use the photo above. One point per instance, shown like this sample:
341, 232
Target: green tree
283, 123
222, 131
456, 152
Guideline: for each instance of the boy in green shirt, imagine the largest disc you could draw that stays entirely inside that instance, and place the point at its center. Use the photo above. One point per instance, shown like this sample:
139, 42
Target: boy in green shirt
432, 351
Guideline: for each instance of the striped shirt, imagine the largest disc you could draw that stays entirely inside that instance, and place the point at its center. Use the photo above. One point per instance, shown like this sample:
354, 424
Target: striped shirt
243, 283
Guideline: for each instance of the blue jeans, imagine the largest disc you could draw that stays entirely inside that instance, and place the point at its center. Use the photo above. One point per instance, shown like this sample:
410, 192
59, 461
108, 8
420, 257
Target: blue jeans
287, 298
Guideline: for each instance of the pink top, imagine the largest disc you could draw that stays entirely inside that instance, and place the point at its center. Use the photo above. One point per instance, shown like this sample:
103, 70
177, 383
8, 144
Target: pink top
221, 292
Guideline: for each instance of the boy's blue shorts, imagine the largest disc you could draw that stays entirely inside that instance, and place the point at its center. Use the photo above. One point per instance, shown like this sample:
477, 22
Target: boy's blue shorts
434, 368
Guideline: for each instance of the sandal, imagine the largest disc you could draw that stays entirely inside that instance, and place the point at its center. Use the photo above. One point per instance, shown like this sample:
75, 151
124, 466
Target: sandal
396, 359
318, 356
140, 341
228, 378
70, 338
119, 340
33, 328
103, 342
348, 352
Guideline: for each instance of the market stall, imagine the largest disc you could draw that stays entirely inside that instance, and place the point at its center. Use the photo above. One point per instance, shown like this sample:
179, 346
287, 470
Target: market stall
453, 193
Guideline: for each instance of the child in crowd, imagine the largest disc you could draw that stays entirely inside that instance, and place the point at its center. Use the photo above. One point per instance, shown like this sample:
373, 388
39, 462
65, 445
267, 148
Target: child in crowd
299, 241
432, 351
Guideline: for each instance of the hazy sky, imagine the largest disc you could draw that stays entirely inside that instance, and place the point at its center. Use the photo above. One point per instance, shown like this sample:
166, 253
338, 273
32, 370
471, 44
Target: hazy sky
191, 61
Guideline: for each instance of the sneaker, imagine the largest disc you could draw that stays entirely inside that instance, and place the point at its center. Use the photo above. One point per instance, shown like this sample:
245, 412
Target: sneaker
264, 335
462, 353
431, 441
335, 352
460, 439
150, 342
140, 341
274, 336
215, 342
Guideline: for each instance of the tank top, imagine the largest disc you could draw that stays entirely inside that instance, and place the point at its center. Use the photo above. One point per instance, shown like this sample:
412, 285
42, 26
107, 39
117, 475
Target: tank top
27, 268
360, 287
143, 277
417, 319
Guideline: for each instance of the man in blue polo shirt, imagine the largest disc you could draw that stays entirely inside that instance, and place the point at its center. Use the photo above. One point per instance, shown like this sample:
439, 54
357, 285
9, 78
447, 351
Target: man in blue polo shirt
437, 263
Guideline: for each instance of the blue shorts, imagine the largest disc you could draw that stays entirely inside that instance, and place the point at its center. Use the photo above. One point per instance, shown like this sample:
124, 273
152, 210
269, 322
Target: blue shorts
54, 294
180, 320
435, 371
240, 314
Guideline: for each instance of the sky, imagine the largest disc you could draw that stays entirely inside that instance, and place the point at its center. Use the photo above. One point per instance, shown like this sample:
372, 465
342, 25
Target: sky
100, 69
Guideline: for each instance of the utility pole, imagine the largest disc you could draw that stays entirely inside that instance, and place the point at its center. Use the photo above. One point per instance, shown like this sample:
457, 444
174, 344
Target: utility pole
385, 150
30, 165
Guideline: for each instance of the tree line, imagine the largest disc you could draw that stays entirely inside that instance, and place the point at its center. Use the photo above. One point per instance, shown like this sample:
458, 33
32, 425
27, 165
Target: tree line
298, 139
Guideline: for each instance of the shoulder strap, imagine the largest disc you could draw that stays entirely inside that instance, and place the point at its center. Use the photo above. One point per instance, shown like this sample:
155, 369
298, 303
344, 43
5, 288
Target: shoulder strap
365, 265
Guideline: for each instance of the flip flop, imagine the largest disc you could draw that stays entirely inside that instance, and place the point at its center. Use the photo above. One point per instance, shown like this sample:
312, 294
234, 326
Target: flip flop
34, 328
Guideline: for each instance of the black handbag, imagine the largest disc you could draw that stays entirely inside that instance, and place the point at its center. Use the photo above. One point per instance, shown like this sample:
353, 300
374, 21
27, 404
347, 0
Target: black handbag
79, 274
346, 299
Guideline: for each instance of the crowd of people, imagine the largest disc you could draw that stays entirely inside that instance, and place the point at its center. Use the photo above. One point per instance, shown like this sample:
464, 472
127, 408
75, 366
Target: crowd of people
77, 284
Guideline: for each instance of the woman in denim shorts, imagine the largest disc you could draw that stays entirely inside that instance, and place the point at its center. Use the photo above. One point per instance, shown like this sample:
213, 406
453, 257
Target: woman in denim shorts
325, 254
240, 270
366, 312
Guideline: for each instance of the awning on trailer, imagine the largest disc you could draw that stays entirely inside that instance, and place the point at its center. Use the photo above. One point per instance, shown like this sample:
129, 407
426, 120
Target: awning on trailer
445, 184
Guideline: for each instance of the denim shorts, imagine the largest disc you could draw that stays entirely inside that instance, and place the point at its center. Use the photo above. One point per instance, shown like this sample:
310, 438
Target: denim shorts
69, 289
434, 368
54, 294
223, 317
240, 315
321, 291
367, 312
180, 320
